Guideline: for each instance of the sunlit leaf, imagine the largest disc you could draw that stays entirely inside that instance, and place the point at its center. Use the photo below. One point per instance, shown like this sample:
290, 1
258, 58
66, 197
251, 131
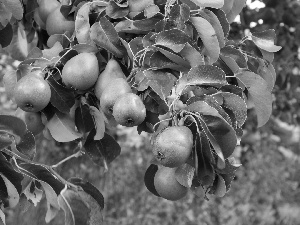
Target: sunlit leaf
235, 10
149, 179
209, 3
82, 25
193, 56
12, 193
265, 40
115, 10
33, 193
184, 174
99, 122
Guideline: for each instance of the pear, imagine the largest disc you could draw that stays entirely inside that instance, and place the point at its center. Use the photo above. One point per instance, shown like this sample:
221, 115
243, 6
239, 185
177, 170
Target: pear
139, 5
173, 145
32, 93
46, 7
81, 71
56, 23
111, 71
167, 186
114, 90
129, 110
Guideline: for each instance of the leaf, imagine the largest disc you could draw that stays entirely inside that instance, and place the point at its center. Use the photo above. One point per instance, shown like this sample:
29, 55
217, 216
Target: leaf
82, 25
80, 48
148, 124
9, 81
62, 98
236, 104
154, 103
265, 40
208, 36
222, 19
105, 36
219, 187
83, 119
161, 82
18, 47
209, 3
148, 23
62, 128
79, 207
99, 122
157, 61
13, 125
173, 39
151, 11
12, 193
33, 193
27, 145
202, 75
115, 10
193, 56
214, 21
101, 151
149, 179
5, 15
14, 6
6, 35
228, 4
258, 92
184, 174
5, 140
2, 216
89, 189
61, 38
267, 71
53, 52
236, 55
236, 8
180, 13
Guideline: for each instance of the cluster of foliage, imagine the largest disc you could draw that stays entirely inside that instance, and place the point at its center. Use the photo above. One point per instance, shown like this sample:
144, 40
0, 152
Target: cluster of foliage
169, 64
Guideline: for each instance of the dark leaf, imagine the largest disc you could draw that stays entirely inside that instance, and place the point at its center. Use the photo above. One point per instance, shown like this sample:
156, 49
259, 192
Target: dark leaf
61, 97
184, 175
102, 151
149, 179
236, 55
13, 125
223, 20
115, 10
27, 145
6, 35
147, 125
154, 103
83, 119
265, 40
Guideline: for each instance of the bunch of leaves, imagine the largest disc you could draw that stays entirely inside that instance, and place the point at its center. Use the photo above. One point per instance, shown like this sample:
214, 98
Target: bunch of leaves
171, 51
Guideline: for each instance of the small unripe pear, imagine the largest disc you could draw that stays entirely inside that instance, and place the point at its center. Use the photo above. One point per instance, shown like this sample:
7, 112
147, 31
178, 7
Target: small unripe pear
173, 145
167, 186
81, 71
114, 90
129, 110
111, 72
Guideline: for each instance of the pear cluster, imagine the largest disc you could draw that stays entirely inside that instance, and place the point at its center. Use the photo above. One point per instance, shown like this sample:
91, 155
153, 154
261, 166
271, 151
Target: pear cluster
116, 98
49, 17
172, 148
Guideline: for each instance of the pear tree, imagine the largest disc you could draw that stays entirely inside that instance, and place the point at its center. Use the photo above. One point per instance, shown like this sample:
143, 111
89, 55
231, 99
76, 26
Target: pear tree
166, 67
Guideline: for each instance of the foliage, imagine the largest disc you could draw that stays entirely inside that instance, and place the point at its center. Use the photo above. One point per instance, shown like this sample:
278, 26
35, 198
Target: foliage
170, 52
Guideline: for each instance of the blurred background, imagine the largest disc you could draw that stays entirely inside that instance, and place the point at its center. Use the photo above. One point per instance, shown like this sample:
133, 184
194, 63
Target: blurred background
266, 189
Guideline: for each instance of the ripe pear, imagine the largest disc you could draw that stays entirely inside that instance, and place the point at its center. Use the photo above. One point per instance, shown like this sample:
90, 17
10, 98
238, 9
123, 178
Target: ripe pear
129, 110
81, 71
173, 145
114, 90
32, 93
167, 186
46, 7
56, 23
111, 71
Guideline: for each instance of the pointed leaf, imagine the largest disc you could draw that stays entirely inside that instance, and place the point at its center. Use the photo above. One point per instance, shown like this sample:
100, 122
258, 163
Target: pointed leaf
235, 10
149, 179
115, 10
13, 125
219, 187
6, 35
83, 119
236, 55
33, 193
265, 40
62, 98
267, 71
258, 92
2, 216
209, 3
102, 151
27, 145
105, 36
99, 121
184, 174
62, 128
193, 56
223, 20
12, 193
82, 24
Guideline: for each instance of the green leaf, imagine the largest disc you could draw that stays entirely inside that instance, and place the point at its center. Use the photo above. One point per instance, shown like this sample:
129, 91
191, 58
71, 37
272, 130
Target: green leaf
83, 119
202, 75
115, 10
219, 187
228, 4
12, 193
62, 128
6, 35
180, 13
33, 193
258, 92
99, 122
102, 151
52, 52
236, 55
222, 19
61, 38
5, 15
193, 56
208, 36
173, 39
2, 216
184, 174
9, 81
27, 145
89, 189
13, 125
151, 11
5, 140
79, 207
105, 36
82, 24
265, 40
147, 125
18, 47
157, 61
267, 71
62, 98
235, 10
160, 82
214, 21
149, 179
209, 3
15, 7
